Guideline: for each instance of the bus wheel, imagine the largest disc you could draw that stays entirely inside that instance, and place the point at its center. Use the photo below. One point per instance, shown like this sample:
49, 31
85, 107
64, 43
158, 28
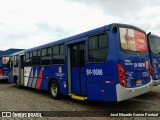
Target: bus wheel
54, 90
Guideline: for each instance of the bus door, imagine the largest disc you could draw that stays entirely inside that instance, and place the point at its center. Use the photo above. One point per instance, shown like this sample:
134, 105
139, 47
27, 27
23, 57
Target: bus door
10, 70
21, 70
78, 69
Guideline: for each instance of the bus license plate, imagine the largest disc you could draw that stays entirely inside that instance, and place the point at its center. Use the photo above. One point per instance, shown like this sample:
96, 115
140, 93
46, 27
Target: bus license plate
139, 82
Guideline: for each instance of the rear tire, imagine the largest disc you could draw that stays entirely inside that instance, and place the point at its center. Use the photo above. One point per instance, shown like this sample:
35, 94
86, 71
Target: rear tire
54, 90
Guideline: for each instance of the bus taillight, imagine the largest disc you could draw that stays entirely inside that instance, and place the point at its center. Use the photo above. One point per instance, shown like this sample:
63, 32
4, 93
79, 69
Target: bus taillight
150, 70
1, 72
122, 76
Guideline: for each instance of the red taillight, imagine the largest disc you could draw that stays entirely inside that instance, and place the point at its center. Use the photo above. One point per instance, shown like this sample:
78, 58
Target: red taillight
147, 65
122, 76
150, 70
1, 72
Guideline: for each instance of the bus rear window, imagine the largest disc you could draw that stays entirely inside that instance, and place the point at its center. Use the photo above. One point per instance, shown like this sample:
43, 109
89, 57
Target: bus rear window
133, 40
155, 45
5, 60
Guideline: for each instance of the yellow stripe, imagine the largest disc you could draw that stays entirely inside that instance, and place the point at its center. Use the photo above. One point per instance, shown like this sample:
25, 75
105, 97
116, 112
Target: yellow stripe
77, 97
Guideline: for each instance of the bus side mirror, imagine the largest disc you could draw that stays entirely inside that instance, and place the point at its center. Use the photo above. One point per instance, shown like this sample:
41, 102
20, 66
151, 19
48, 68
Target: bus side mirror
149, 33
114, 29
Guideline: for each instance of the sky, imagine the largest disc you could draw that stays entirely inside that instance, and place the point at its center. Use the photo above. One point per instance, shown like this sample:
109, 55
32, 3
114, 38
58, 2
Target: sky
29, 23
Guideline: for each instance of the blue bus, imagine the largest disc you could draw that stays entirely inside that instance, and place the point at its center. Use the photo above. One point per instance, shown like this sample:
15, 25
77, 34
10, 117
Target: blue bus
154, 48
110, 63
4, 59
3, 67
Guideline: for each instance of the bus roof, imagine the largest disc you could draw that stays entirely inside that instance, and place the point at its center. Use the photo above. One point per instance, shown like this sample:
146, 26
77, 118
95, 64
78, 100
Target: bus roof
9, 51
17, 53
154, 36
81, 35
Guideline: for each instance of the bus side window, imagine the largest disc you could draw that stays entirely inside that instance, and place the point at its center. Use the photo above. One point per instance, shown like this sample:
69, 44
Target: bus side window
97, 48
27, 59
39, 57
30, 56
46, 56
10, 64
82, 55
44, 53
16, 61
34, 58
58, 54
62, 54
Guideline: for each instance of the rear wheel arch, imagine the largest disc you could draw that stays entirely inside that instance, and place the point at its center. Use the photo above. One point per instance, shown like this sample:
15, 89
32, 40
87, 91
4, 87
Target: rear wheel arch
50, 82
54, 88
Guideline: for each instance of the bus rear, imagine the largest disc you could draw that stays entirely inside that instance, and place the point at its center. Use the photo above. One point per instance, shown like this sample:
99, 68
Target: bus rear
154, 45
3, 67
132, 63
118, 65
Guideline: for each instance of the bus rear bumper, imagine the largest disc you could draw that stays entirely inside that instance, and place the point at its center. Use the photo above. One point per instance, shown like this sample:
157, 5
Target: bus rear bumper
155, 82
127, 93
3, 77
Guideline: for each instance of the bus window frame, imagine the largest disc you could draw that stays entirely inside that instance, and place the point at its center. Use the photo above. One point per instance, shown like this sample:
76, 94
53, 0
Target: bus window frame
97, 34
5, 58
28, 59
11, 62
34, 58
59, 53
130, 51
150, 47
39, 56
15, 59
46, 55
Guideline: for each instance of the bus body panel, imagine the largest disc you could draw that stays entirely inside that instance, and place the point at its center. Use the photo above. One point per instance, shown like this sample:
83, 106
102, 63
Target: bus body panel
35, 77
60, 74
101, 92
98, 85
154, 42
135, 63
126, 93
136, 72
155, 63
102, 77
76, 80
39, 77
10, 77
27, 71
83, 81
